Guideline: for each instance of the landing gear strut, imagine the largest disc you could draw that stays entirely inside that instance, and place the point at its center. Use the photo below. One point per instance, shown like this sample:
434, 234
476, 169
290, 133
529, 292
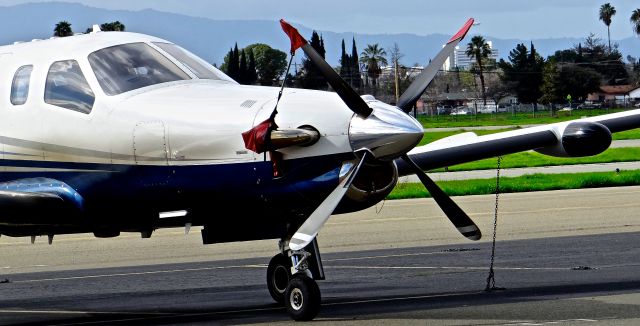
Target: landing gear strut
291, 280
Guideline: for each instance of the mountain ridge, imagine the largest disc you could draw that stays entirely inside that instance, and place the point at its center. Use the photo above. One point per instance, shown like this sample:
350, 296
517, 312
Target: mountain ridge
203, 36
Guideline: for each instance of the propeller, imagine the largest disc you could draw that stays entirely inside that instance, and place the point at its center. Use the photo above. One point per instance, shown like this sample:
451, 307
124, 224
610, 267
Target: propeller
422, 81
339, 85
456, 215
310, 228
383, 134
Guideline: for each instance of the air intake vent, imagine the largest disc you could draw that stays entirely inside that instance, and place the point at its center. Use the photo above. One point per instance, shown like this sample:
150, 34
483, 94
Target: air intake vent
248, 103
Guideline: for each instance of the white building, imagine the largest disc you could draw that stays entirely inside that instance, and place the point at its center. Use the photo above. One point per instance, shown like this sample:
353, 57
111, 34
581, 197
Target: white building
460, 59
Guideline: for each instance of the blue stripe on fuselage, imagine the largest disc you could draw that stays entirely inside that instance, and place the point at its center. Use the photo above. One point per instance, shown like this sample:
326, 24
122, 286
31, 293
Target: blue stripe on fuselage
247, 187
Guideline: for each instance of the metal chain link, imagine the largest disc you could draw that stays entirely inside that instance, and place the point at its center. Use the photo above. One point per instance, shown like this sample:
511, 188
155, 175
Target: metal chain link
491, 280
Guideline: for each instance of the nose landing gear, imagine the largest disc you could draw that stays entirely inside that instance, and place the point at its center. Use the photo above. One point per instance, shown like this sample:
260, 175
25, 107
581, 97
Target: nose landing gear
291, 280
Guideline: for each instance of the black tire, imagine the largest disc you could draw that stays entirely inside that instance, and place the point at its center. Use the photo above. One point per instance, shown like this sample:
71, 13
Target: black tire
302, 298
278, 277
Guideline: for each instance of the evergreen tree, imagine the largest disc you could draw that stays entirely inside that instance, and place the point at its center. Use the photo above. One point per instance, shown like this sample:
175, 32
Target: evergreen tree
233, 65
535, 64
243, 72
252, 74
311, 77
523, 73
356, 78
345, 65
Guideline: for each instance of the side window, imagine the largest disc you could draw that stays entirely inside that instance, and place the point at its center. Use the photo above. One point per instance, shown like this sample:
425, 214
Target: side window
66, 87
20, 85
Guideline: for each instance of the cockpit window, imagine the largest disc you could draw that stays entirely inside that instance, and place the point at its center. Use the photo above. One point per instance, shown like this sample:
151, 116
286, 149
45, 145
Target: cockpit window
126, 67
20, 85
196, 65
66, 87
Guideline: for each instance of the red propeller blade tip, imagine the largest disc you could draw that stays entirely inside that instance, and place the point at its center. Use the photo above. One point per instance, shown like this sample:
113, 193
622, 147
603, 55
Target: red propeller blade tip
463, 31
297, 41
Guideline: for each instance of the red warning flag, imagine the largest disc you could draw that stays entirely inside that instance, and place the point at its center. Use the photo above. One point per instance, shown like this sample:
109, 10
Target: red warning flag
297, 41
256, 138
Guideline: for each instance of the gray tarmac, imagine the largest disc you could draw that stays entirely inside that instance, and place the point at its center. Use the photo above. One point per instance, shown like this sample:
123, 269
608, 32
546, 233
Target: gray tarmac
563, 257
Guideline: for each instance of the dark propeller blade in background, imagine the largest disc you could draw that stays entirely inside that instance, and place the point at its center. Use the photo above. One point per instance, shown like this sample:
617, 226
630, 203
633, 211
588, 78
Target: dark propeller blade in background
346, 93
456, 215
415, 90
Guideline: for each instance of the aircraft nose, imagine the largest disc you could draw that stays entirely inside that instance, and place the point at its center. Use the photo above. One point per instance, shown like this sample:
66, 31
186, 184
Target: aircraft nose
388, 133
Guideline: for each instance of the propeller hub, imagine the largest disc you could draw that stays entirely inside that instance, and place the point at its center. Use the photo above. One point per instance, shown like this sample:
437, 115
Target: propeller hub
387, 133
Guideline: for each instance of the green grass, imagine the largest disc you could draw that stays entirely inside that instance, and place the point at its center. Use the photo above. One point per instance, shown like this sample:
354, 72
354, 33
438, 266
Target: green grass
629, 134
507, 118
432, 136
533, 159
534, 182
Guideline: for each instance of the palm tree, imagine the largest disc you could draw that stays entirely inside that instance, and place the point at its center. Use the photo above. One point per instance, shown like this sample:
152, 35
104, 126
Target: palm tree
479, 50
635, 21
607, 11
62, 29
374, 57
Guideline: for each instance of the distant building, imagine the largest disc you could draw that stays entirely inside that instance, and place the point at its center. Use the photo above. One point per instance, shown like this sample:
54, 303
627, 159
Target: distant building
619, 94
460, 59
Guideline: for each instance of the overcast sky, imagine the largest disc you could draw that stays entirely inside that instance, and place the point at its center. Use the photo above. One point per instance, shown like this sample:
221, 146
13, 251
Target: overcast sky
498, 18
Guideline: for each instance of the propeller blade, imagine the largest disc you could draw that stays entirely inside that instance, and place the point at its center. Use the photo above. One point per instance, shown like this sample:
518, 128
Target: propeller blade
415, 90
456, 215
346, 93
310, 228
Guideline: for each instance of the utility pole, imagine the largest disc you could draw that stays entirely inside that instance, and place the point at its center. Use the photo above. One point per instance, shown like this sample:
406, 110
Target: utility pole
395, 62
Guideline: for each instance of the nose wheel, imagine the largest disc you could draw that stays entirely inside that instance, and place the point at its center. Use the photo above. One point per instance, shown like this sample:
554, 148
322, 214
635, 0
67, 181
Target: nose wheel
302, 298
298, 292
278, 277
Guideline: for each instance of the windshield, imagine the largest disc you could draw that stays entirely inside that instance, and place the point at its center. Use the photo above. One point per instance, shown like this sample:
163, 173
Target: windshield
126, 67
197, 66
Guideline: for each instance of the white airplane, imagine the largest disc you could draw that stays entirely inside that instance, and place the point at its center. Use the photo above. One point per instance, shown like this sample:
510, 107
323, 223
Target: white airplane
112, 132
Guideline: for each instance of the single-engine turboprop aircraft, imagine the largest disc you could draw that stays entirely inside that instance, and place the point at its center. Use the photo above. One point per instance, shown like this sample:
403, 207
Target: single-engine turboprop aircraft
112, 132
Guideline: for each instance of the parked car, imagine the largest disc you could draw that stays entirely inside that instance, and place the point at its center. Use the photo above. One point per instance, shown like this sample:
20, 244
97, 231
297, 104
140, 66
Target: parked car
589, 105
445, 109
461, 110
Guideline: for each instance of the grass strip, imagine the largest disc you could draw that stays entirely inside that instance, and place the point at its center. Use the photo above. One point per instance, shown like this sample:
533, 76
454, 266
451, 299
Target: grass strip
533, 159
526, 183
432, 136
507, 118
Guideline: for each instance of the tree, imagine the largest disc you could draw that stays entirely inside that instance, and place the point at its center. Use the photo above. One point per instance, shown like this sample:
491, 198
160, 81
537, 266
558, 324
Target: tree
62, 29
609, 64
551, 88
311, 77
396, 55
356, 78
479, 50
252, 75
115, 26
374, 57
523, 73
345, 65
231, 65
607, 11
635, 21
243, 77
270, 63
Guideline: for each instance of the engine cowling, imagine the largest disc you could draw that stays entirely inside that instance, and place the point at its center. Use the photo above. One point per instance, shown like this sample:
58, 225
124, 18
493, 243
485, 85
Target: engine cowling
372, 184
580, 139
